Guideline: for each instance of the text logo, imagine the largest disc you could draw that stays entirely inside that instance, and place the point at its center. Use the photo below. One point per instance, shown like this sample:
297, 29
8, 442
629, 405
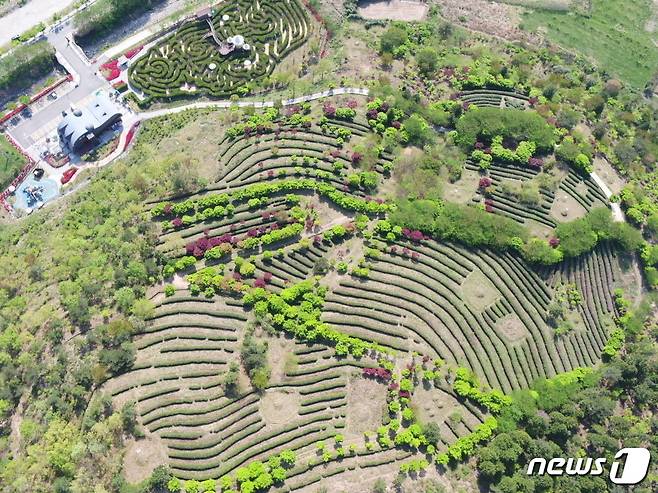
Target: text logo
630, 466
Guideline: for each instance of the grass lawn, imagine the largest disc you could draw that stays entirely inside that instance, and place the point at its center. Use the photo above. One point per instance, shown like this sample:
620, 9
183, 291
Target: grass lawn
614, 36
11, 162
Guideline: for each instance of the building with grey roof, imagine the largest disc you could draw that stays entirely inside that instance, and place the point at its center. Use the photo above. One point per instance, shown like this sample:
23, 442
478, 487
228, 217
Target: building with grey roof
81, 127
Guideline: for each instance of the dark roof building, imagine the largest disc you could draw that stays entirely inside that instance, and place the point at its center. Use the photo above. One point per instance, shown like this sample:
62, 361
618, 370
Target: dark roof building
81, 126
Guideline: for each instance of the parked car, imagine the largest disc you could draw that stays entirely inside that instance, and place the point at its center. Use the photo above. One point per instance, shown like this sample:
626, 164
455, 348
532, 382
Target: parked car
68, 174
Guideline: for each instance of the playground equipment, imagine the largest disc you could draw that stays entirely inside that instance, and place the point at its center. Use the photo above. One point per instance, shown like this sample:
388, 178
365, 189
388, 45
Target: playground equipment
33, 195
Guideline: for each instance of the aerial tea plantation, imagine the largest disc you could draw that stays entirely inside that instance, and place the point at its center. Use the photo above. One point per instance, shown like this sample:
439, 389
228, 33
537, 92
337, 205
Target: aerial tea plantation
190, 61
371, 329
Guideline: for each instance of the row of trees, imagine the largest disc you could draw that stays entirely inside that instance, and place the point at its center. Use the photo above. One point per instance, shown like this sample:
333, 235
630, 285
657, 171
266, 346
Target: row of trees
476, 228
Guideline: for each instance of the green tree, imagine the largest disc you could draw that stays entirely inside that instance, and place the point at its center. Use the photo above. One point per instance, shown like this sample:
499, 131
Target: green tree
393, 38
428, 60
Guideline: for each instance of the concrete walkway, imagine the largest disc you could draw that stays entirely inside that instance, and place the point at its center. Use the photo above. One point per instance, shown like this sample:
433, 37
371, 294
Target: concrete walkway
130, 119
147, 115
617, 213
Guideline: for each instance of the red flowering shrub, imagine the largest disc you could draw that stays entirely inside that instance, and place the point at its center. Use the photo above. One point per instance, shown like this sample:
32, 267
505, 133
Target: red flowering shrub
177, 222
131, 53
554, 242
356, 157
329, 110
259, 283
485, 182
378, 373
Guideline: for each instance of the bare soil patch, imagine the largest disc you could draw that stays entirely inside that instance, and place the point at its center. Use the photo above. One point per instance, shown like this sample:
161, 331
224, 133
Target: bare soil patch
605, 170
566, 208
492, 18
278, 354
278, 406
397, 10
511, 328
478, 291
433, 404
463, 189
365, 404
142, 457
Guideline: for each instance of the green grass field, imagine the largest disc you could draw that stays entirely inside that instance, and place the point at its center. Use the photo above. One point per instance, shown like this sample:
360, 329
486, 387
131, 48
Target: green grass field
11, 161
614, 36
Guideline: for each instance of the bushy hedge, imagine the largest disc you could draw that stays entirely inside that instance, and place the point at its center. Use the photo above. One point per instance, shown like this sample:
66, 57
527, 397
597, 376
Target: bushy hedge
467, 386
464, 224
297, 310
518, 125
582, 235
190, 54
26, 63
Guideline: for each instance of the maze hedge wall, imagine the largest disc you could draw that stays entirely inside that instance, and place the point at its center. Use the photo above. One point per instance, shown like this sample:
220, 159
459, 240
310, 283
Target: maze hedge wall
189, 62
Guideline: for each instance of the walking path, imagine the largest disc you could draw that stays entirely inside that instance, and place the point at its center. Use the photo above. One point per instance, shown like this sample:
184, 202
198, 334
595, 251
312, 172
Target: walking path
617, 213
131, 119
256, 104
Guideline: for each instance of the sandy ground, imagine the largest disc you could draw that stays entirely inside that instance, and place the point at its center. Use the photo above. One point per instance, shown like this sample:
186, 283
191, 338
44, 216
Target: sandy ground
401, 10
497, 19
608, 174
511, 328
366, 400
566, 208
278, 407
478, 291
22, 19
142, 457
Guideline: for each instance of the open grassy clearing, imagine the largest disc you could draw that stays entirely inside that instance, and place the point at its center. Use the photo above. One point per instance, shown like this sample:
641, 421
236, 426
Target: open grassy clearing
614, 34
11, 162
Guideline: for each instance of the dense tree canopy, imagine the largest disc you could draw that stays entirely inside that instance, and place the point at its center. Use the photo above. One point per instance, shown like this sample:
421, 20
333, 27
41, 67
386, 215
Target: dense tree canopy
518, 125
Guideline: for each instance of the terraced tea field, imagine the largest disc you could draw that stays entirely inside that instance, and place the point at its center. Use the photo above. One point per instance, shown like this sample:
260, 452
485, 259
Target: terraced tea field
366, 332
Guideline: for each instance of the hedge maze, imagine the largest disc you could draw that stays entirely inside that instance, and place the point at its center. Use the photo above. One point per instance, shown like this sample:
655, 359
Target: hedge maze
283, 213
189, 62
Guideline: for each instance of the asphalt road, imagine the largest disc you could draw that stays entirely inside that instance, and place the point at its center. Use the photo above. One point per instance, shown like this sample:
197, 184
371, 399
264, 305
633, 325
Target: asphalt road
23, 18
88, 83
